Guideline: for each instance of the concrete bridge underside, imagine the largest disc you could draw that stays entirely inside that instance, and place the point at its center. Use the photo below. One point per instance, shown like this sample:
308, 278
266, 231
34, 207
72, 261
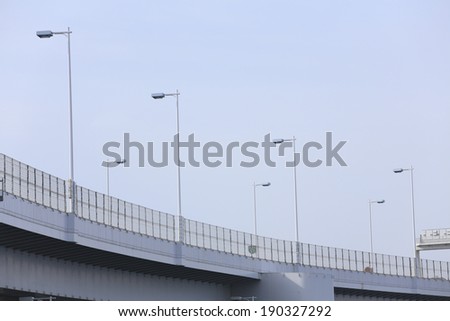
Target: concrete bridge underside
39, 266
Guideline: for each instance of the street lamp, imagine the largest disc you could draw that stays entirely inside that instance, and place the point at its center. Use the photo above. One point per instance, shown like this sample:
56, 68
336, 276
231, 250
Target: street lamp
254, 203
411, 171
297, 238
48, 34
108, 164
370, 223
177, 142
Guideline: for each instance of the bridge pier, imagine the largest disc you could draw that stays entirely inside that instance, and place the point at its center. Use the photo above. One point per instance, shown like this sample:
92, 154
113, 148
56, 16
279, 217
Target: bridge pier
288, 287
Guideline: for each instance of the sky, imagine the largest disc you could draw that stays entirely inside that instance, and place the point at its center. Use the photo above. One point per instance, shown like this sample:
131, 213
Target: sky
375, 74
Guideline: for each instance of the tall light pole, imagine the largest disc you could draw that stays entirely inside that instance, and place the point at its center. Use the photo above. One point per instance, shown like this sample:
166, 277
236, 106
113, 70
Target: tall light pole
297, 237
411, 172
254, 203
177, 143
370, 224
49, 34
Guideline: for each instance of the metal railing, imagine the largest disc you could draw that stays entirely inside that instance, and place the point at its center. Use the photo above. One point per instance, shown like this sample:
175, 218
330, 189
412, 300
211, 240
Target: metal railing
41, 188
32, 184
235, 242
114, 212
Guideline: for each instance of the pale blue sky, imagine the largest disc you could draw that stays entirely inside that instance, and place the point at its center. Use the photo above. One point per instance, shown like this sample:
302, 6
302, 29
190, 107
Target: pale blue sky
375, 73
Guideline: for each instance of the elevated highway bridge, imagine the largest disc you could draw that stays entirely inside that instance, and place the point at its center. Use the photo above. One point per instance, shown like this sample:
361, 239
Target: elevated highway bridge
110, 249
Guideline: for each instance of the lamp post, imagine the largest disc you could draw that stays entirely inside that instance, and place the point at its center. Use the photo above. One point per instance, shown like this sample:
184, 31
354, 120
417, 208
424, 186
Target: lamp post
411, 172
297, 237
370, 224
254, 203
108, 165
48, 34
177, 142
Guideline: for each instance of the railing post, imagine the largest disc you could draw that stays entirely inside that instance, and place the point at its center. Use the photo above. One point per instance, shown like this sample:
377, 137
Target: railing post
118, 213
49, 190
20, 180
309, 254
28, 185
1, 189
71, 196
125, 216
81, 214
181, 229
336, 257
35, 189
329, 257
376, 264
145, 220
104, 201
247, 249
271, 250
207, 241
403, 267
132, 219
231, 243
42, 189
350, 260
96, 207
418, 261
217, 238
2, 178
294, 259
321, 254
223, 238
12, 177
88, 204
203, 235
363, 262
315, 256
57, 193
284, 250
159, 225
411, 268
139, 219
390, 267
153, 224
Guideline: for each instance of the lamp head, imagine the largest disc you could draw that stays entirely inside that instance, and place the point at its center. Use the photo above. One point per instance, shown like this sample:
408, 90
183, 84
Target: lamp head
266, 184
44, 34
398, 170
381, 202
158, 95
278, 141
